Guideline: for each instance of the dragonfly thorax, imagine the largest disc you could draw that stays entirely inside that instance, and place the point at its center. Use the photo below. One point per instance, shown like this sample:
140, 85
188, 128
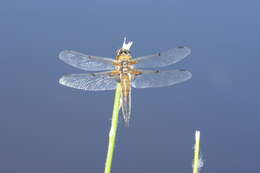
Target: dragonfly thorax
125, 69
124, 63
125, 66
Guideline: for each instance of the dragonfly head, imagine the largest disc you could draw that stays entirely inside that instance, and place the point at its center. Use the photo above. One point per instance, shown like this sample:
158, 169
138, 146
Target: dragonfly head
122, 51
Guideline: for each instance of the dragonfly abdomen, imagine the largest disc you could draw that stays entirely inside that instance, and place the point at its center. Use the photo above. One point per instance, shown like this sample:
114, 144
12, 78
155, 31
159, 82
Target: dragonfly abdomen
126, 96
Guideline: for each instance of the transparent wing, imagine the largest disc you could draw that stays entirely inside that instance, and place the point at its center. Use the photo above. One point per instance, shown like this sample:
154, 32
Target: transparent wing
156, 78
86, 62
163, 59
91, 81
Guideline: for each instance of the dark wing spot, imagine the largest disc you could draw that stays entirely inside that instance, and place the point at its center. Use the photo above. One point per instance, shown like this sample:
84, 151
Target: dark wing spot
157, 71
90, 57
182, 70
93, 74
181, 47
138, 74
159, 54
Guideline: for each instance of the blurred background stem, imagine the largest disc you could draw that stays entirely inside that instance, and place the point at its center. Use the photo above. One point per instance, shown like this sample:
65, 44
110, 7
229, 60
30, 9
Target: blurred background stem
196, 161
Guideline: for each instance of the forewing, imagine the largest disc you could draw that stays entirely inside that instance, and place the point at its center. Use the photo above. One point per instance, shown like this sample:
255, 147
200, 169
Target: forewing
91, 81
163, 59
152, 79
86, 62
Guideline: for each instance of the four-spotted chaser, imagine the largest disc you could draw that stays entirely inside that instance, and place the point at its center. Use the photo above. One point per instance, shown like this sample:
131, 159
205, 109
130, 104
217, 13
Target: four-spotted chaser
124, 69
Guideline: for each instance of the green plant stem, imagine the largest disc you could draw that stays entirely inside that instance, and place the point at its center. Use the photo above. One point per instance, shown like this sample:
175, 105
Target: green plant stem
196, 160
113, 130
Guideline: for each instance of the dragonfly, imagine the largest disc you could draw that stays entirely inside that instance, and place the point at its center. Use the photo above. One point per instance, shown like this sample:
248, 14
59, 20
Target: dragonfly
105, 73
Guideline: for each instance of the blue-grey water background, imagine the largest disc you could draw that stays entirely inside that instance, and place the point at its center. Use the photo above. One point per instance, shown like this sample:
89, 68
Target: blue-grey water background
45, 127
